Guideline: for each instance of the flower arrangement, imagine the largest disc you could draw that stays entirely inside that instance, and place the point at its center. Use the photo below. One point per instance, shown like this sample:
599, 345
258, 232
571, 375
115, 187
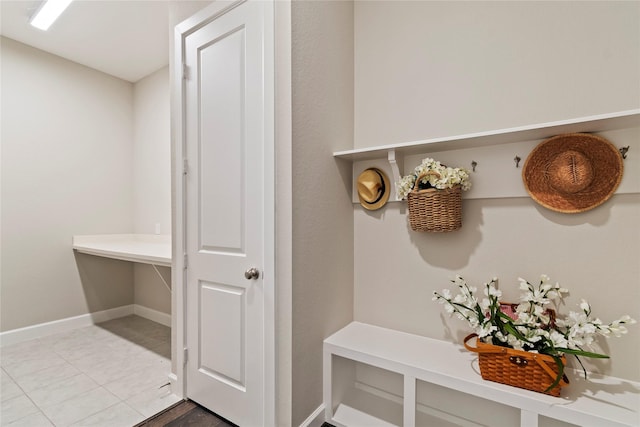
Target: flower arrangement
531, 325
433, 175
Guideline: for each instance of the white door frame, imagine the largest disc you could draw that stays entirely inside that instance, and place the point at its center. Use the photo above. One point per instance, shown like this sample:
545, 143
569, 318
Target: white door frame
178, 303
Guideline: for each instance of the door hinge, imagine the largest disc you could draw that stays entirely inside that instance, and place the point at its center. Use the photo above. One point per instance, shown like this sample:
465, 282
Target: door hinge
185, 166
185, 355
185, 71
185, 261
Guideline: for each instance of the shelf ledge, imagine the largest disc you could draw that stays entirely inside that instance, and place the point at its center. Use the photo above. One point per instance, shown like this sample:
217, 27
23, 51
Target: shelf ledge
142, 248
597, 123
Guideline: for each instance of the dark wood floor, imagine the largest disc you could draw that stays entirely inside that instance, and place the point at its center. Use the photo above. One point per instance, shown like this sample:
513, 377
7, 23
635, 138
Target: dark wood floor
189, 414
185, 414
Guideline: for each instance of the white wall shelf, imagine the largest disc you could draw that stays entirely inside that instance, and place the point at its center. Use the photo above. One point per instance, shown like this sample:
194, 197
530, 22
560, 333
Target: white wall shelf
599, 401
142, 248
591, 124
487, 148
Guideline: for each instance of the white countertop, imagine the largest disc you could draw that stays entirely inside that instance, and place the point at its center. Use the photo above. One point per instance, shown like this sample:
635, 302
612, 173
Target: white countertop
143, 248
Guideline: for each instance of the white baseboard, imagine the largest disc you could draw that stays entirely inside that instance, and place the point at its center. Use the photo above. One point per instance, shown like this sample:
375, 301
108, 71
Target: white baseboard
40, 330
315, 419
151, 314
19, 335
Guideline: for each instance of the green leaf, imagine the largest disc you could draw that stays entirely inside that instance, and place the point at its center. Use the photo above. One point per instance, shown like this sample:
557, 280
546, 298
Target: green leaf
508, 326
560, 366
582, 353
584, 371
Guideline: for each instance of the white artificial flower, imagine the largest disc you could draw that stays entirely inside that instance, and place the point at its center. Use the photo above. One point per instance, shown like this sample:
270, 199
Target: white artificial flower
524, 285
558, 339
490, 290
460, 299
485, 329
585, 306
444, 177
533, 320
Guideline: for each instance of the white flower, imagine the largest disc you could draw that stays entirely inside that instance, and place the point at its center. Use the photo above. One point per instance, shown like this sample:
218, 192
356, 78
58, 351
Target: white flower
485, 329
460, 299
490, 291
524, 285
585, 306
617, 330
531, 328
558, 339
438, 176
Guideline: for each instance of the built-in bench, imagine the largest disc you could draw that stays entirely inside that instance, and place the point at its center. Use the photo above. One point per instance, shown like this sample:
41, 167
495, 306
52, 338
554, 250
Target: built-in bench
598, 401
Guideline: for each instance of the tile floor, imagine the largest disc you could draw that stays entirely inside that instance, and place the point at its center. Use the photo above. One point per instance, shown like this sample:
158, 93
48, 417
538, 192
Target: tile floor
111, 374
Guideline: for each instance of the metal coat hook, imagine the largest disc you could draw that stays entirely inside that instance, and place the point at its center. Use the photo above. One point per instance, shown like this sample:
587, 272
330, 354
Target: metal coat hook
623, 151
473, 165
517, 160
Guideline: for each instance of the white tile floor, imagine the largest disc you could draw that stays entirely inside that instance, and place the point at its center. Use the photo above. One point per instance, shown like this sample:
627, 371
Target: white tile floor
111, 374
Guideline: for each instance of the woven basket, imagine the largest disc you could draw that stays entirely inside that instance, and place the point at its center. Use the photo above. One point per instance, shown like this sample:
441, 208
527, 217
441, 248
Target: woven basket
435, 210
523, 369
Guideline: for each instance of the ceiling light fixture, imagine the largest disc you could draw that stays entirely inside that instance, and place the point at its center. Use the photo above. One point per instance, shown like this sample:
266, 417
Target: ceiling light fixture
48, 12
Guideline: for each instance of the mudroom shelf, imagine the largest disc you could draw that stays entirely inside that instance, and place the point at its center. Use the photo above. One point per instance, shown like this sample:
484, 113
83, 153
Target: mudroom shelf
591, 124
494, 153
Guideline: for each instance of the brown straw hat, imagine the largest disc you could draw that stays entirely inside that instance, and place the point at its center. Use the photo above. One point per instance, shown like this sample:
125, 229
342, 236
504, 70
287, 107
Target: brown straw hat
373, 189
572, 173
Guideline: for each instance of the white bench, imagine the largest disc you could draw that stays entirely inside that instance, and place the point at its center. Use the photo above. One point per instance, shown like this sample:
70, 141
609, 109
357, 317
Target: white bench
600, 401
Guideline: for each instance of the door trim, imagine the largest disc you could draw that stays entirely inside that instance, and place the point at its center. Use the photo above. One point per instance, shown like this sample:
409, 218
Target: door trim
178, 272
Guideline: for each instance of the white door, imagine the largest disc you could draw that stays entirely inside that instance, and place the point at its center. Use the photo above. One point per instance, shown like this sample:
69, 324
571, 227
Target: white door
227, 134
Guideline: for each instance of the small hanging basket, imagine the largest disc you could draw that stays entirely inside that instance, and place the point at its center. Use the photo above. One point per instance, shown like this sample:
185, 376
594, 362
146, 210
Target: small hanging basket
523, 369
435, 210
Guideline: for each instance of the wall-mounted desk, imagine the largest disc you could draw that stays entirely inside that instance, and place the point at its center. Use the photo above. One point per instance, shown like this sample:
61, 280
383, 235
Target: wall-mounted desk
143, 248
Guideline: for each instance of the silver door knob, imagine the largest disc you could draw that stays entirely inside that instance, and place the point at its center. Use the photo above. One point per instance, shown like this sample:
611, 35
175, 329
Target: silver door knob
252, 273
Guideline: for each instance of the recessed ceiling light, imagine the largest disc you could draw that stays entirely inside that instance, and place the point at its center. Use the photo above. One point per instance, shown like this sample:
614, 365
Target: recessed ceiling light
48, 13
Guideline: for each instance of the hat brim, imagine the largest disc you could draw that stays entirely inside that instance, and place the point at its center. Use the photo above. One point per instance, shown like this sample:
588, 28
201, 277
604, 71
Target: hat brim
607, 171
385, 194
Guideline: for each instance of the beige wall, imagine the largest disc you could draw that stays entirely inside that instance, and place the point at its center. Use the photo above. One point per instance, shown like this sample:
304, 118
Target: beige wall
152, 153
152, 180
284, 213
322, 289
83, 153
426, 69
149, 289
66, 169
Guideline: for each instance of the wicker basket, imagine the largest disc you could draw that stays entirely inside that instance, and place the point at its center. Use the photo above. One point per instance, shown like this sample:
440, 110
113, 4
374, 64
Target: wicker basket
435, 210
523, 369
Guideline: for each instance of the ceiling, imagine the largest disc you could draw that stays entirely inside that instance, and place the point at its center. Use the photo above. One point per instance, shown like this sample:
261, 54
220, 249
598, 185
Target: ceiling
125, 38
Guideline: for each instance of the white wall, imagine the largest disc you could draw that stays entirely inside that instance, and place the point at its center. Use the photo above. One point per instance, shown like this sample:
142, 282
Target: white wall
66, 169
426, 69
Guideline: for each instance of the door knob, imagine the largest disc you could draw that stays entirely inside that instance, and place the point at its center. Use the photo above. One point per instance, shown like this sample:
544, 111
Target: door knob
252, 273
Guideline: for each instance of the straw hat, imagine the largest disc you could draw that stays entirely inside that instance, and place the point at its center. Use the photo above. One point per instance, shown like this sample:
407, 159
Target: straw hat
572, 173
373, 189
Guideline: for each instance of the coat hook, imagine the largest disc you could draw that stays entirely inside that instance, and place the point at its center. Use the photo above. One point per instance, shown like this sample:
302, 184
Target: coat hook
517, 160
623, 151
473, 165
